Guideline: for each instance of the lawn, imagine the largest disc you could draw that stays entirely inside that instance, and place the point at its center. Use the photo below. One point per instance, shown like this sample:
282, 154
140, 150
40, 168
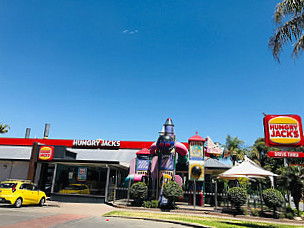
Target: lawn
207, 221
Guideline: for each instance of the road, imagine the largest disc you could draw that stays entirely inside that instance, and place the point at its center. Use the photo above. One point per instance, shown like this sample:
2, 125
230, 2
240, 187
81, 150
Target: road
69, 215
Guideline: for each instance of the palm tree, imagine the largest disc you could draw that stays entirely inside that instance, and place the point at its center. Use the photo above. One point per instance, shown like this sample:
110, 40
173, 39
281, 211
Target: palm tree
289, 17
235, 148
3, 128
292, 178
253, 153
259, 152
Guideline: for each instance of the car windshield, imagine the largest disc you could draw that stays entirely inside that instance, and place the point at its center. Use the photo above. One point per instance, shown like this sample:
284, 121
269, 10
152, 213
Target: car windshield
7, 185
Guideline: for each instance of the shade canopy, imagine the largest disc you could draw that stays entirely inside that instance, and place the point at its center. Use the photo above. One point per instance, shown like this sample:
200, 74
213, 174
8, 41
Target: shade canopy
247, 168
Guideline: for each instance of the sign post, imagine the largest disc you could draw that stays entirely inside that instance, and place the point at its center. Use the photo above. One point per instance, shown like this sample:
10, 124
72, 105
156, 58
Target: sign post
283, 131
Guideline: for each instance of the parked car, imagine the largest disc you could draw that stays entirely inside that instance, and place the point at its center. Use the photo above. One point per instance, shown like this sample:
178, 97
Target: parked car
76, 189
21, 192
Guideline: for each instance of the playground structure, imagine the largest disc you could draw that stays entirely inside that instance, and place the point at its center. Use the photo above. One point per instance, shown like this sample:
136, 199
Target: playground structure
159, 164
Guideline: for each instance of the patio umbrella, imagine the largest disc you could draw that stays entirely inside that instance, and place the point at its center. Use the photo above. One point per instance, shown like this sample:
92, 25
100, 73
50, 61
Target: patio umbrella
249, 169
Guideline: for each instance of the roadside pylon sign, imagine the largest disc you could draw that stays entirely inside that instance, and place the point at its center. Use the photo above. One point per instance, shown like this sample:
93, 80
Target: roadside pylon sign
283, 130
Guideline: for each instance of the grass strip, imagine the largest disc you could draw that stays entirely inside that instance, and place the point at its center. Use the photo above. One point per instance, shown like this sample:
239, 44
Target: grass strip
207, 221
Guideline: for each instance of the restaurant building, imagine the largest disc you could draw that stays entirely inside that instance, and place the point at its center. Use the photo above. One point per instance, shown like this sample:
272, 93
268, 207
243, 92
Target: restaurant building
75, 170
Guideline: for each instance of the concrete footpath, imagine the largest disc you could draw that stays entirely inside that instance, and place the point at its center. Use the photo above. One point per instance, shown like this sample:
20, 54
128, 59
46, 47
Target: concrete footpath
96, 210
89, 209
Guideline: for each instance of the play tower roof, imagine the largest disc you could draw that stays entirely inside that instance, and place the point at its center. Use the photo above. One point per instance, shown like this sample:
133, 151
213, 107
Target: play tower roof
196, 138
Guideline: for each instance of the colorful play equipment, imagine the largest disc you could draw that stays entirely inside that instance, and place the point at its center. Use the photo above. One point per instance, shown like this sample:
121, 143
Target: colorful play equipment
158, 165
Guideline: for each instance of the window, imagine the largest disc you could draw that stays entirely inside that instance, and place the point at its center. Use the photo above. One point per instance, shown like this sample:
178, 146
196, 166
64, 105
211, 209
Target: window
80, 179
26, 187
7, 185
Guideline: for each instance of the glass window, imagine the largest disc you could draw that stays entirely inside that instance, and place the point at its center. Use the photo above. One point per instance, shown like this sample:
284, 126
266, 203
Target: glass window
22, 186
7, 185
26, 186
80, 179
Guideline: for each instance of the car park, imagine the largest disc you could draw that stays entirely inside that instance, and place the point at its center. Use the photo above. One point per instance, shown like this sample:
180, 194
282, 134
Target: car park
21, 192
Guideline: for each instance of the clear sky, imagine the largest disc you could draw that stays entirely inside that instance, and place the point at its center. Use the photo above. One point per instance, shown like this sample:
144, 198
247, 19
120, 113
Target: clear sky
118, 69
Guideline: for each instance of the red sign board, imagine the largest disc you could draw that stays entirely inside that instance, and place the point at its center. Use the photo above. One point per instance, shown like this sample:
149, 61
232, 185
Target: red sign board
71, 143
283, 130
46, 153
285, 154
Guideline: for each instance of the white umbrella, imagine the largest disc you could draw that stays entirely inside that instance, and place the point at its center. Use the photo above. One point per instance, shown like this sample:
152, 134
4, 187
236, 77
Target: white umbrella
249, 169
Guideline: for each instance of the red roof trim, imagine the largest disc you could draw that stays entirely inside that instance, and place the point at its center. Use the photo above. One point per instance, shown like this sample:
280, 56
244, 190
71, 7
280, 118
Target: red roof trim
69, 143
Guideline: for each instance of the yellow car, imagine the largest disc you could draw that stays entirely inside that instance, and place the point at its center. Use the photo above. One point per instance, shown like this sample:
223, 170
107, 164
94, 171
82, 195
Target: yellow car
21, 192
76, 189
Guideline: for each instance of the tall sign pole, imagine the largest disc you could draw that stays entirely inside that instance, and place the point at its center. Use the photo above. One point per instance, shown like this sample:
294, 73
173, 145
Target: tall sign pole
283, 131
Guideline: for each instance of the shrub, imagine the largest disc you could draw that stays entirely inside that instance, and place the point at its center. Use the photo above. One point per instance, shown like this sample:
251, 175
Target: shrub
244, 211
147, 204
237, 196
254, 212
138, 191
172, 191
273, 199
150, 204
295, 211
281, 216
289, 209
154, 203
289, 215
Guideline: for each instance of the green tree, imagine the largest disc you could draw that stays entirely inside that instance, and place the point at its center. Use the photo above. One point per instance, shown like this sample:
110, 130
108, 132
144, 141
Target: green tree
292, 178
235, 146
253, 154
289, 18
3, 128
262, 149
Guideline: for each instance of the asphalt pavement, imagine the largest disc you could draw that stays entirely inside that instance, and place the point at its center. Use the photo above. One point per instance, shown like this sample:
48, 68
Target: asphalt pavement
57, 214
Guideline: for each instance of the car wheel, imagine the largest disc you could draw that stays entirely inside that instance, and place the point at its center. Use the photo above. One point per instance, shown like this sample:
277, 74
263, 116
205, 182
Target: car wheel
42, 202
18, 202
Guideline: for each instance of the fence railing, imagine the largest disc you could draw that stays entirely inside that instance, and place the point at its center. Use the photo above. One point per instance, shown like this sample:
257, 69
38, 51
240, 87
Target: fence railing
210, 198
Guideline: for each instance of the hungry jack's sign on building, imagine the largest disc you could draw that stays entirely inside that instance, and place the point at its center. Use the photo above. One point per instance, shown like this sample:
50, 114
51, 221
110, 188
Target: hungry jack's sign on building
46, 153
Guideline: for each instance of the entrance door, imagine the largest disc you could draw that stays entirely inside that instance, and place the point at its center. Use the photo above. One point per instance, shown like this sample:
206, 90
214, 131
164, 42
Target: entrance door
46, 177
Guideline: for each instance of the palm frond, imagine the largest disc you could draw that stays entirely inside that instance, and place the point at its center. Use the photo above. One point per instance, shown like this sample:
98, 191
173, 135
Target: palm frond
289, 31
3, 128
298, 47
288, 7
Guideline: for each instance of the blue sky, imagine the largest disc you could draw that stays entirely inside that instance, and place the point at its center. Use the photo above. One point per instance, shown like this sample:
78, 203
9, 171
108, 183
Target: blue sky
118, 69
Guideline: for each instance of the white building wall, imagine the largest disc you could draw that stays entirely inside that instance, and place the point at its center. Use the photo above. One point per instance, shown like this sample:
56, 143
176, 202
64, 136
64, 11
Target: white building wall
5, 169
13, 170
